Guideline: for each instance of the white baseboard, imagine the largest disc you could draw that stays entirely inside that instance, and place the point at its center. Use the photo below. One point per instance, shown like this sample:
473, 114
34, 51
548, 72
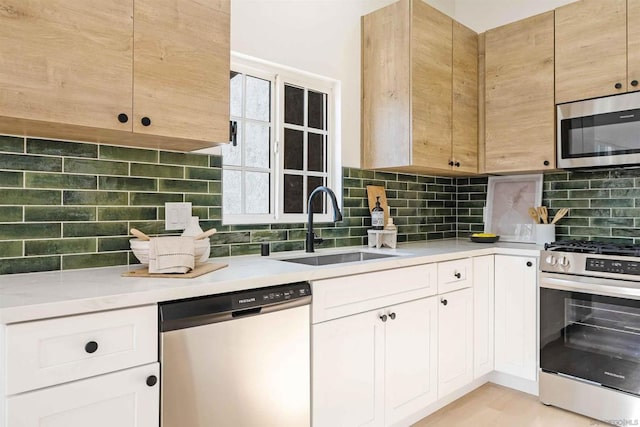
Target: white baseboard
516, 383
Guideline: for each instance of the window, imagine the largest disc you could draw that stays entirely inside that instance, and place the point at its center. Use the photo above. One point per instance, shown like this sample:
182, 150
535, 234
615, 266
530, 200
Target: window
286, 145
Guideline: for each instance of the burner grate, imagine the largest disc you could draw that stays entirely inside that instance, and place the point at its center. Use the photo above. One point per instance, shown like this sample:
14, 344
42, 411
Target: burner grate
591, 247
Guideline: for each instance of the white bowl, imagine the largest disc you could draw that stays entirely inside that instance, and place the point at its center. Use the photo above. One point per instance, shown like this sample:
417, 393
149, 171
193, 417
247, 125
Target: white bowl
140, 249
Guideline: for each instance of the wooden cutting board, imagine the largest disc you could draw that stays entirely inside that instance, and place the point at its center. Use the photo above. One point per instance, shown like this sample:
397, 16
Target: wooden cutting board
201, 269
372, 192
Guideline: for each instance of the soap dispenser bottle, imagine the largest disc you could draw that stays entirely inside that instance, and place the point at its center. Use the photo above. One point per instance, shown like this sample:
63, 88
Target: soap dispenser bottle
377, 216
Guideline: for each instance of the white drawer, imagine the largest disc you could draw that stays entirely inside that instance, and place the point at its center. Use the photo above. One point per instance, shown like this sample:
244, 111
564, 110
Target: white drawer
454, 275
343, 296
48, 352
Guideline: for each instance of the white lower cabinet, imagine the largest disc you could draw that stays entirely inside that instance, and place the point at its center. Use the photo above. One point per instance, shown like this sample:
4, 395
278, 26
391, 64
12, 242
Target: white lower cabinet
455, 340
128, 398
375, 368
483, 325
515, 316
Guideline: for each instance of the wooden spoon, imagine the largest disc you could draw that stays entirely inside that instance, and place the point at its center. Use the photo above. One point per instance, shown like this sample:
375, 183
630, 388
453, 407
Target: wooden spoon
544, 214
533, 213
205, 234
139, 234
559, 215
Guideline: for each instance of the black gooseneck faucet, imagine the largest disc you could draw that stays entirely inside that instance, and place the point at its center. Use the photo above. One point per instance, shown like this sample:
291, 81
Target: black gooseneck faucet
337, 215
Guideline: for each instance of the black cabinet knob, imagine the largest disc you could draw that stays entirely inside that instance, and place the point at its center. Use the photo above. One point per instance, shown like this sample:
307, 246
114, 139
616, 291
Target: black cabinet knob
152, 380
444, 301
91, 347
529, 263
457, 164
546, 163
451, 163
458, 275
634, 83
392, 316
146, 121
123, 118
383, 317
618, 85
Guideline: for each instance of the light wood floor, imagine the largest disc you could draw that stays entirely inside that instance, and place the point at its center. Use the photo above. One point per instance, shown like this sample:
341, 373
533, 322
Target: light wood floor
496, 406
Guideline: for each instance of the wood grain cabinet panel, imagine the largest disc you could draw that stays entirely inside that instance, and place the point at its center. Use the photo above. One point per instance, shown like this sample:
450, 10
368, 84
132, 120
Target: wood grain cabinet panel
150, 73
66, 61
419, 91
181, 69
633, 45
591, 49
465, 99
519, 96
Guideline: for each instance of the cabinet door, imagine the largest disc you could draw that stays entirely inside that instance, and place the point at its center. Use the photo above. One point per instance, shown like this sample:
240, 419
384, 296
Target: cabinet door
483, 278
410, 358
181, 69
431, 45
120, 399
591, 49
348, 371
67, 61
519, 107
455, 341
465, 100
633, 45
515, 316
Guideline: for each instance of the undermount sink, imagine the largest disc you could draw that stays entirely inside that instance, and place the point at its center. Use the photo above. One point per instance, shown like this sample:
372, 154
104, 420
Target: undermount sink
337, 258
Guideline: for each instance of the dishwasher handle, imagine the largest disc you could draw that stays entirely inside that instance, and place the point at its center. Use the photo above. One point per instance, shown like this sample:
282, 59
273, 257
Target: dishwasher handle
199, 311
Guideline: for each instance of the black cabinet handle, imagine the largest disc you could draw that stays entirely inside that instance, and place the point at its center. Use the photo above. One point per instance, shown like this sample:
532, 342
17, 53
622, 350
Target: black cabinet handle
146, 121
529, 263
618, 85
152, 380
123, 118
233, 132
392, 316
383, 317
451, 163
546, 163
444, 301
634, 83
91, 347
457, 164
458, 275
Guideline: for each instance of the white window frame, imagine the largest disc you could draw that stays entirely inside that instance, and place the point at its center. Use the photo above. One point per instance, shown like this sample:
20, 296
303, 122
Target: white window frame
279, 75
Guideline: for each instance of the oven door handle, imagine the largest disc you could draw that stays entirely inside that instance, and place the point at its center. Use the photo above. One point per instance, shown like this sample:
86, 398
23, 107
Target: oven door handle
590, 285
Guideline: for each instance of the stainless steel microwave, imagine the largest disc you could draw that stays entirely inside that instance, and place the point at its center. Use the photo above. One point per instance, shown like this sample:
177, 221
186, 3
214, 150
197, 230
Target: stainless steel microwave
599, 132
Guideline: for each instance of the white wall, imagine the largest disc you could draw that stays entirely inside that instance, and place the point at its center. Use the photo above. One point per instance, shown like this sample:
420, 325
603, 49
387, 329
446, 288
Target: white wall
481, 15
323, 37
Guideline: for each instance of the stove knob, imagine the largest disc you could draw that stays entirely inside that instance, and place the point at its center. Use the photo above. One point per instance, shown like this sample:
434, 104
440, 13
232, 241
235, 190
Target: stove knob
551, 260
564, 262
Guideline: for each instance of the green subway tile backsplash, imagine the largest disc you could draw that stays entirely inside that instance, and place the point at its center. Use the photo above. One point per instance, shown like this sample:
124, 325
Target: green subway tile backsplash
68, 205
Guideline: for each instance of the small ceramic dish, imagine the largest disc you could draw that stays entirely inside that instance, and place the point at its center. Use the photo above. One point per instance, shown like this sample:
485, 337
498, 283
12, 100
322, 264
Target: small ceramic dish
491, 239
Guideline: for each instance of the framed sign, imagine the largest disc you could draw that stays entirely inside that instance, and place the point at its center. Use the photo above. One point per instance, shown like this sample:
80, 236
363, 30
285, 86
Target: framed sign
508, 201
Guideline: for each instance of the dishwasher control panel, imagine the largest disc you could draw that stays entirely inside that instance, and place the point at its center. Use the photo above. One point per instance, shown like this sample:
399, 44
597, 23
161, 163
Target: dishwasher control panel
271, 295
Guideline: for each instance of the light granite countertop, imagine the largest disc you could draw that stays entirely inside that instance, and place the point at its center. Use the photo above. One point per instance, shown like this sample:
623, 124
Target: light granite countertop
32, 296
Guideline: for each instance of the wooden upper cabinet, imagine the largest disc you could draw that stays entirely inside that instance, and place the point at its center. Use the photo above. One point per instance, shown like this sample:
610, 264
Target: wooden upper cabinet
93, 70
591, 48
633, 45
431, 86
181, 69
465, 99
519, 96
66, 61
419, 98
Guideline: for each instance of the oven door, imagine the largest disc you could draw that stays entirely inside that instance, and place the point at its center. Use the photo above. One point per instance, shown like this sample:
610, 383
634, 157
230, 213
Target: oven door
589, 336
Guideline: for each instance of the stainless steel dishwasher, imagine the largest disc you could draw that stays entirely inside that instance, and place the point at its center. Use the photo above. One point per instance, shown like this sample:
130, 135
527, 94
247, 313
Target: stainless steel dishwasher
238, 359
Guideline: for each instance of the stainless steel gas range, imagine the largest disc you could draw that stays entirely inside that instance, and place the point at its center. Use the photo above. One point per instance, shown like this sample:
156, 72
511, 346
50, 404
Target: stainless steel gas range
590, 329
